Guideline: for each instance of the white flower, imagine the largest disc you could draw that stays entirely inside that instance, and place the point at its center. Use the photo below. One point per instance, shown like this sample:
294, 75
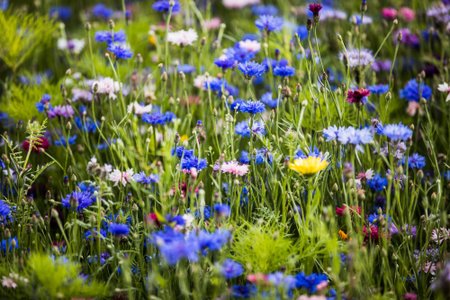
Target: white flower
139, 109
107, 86
118, 176
182, 37
438, 235
238, 3
74, 46
445, 88
8, 283
200, 80
250, 46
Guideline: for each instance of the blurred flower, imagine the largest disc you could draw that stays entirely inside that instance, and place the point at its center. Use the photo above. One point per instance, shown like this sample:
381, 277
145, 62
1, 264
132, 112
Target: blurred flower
109, 37
74, 46
377, 183
234, 168
378, 89
231, 269
144, 179
357, 96
269, 23
389, 13
123, 177
78, 200
251, 69
414, 91
397, 132
118, 229
309, 165
63, 141
407, 14
101, 11
445, 88
120, 50
182, 37
250, 45
138, 109
106, 86
284, 71
40, 145
260, 10
165, 6
238, 3
243, 128
439, 235
312, 283
354, 57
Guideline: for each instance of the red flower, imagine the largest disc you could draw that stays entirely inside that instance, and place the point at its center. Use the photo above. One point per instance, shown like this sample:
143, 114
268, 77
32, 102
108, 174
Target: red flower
340, 211
40, 145
371, 233
357, 96
315, 8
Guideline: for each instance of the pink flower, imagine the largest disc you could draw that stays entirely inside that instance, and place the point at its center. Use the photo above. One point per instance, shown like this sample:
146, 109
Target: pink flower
118, 176
389, 13
407, 14
214, 23
413, 107
233, 167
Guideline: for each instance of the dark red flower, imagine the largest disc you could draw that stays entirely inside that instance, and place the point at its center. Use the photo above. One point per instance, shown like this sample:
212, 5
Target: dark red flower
340, 211
357, 96
40, 145
315, 8
371, 233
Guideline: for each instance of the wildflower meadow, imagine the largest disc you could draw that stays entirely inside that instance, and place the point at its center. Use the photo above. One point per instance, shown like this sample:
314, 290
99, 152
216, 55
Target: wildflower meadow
224, 149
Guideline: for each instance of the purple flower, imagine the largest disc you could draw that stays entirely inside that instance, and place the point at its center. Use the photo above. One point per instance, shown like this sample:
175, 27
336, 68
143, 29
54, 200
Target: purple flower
144, 179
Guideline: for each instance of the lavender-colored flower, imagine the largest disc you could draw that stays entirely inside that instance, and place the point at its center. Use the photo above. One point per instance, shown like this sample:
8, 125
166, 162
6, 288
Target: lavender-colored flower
243, 128
397, 132
269, 101
65, 111
144, 179
269, 23
416, 161
354, 57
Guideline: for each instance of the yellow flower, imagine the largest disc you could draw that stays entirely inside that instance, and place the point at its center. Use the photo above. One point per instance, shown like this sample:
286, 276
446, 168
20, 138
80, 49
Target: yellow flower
184, 138
309, 165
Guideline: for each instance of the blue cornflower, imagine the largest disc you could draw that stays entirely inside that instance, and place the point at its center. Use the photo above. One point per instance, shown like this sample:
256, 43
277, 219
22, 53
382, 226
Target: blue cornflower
245, 158
269, 10
231, 269
43, 103
378, 89
262, 156
206, 213
5, 212
284, 71
397, 132
62, 13
239, 54
251, 69
87, 187
82, 200
243, 128
377, 183
243, 291
269, 23
269, 101
186, 69
87, 125
416, 161
4, 5
158, 118
94, 233
222, 210
251, 107
110, 37
310, 282
225, 62
302, 32
101, 11
164, 6
414, 91
7, 244
120, 50
62, 141
189, 160
349, 135
213, 241
118, 229
144, 179
216, 85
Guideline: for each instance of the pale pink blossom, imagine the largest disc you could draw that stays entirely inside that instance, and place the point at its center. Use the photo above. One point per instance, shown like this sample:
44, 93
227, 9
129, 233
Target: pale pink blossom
233, 167
250, 46
106, 86
214, 23
413, 108
124, 178
313, 297
439, 235
445, 88
238, 3
8, 283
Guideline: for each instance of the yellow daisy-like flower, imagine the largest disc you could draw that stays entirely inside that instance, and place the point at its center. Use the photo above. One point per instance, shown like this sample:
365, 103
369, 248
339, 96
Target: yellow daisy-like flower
343, 235
309, 165
184, 138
